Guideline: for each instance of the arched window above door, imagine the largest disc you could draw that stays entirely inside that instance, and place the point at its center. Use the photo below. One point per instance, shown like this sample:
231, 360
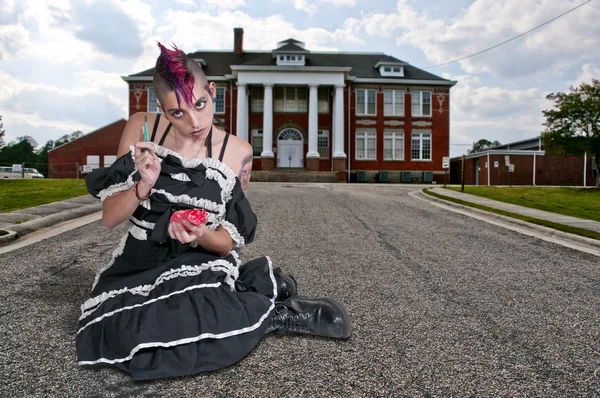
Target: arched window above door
290, 134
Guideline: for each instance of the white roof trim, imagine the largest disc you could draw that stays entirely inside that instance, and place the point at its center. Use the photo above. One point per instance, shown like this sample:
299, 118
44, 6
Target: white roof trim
271, 68
404, 81
502, 152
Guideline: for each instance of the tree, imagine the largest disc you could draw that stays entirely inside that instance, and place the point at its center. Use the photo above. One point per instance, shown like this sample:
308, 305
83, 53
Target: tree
19, 152
483, 145
573, 127
2, 133
67, 138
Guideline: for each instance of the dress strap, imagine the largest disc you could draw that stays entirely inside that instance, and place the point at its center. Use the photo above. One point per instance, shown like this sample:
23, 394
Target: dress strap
209, 144
162, 139
155, 127
223, 147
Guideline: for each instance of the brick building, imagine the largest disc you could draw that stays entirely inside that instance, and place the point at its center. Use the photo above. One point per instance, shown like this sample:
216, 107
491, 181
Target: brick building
96, 149
532, 166
324, 111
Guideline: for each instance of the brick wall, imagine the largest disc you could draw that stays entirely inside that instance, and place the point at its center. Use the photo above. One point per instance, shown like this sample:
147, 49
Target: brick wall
550, 170
62, 161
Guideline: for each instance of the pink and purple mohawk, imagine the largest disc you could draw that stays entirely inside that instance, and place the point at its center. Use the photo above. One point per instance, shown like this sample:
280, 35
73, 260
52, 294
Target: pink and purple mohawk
173, 69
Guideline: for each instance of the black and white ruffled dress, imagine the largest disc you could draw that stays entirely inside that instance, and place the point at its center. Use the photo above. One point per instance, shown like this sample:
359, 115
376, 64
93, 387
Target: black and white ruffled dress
161, 308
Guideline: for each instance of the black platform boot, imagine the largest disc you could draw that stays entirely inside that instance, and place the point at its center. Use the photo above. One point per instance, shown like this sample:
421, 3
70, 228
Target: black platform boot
286, 285
321, 317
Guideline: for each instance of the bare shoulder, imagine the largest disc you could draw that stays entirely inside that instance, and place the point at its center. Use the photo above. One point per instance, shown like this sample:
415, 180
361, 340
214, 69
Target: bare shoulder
238, 156
238, 153
133, 131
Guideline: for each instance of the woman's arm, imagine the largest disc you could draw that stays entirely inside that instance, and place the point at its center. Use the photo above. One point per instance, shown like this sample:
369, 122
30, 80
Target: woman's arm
120, 206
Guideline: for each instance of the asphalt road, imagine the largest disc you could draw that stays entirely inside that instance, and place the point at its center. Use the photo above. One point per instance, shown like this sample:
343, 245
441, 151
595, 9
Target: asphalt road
443, 305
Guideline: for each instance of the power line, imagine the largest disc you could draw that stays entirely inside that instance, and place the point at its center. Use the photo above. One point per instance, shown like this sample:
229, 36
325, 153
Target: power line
509, 40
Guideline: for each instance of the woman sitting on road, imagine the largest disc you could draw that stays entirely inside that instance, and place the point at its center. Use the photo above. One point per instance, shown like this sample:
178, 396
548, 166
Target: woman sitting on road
175, 299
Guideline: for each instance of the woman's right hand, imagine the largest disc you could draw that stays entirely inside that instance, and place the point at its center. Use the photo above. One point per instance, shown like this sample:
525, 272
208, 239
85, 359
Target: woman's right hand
148, 164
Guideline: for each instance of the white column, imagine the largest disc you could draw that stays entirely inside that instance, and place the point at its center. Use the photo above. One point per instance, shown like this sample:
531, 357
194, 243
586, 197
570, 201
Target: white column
338, 124
241, 128
332, 138
267, 151
313, 122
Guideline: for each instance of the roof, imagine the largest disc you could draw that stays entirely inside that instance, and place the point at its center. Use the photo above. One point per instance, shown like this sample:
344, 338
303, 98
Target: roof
218, 63
291, 48
116, 122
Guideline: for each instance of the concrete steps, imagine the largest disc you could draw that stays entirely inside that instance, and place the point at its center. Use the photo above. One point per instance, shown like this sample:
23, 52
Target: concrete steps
294, 176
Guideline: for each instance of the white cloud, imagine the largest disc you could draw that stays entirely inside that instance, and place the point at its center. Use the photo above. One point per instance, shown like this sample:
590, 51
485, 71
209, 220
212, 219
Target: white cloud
588, 72
304, 5
311, 7
494, 113
340, 3
485, 23
180, 27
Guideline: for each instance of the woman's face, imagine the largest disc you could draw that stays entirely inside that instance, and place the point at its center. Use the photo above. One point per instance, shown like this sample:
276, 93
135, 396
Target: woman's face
194, 120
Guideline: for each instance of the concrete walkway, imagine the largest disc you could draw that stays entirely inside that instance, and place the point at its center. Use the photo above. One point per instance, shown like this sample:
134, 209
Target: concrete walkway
25, 221
524, 211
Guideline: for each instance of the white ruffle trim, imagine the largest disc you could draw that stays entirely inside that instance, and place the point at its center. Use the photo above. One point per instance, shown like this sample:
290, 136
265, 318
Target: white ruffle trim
142, 223
109, 314
138, 233
184, 271
181, 177
226, 183
235, 235
116, 253
236, 257
194, 339
122, 186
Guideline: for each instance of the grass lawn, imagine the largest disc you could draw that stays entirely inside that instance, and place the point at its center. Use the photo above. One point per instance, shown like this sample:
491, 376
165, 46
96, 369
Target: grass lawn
582, 203
19, 194
549, 224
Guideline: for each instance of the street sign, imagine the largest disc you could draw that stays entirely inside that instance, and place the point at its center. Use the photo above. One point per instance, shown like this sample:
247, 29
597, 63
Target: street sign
511, 168
16, 168
87, 168
445, 162
507, 160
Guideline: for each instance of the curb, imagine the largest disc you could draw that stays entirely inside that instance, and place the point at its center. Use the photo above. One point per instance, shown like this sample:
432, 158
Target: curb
539, 228
28, 227
4, 239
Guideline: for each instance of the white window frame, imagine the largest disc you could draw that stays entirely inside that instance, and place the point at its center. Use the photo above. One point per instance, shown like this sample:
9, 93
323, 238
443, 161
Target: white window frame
152, 107
258, 104
321, 134
395, 94
257, 133
93, 160
216, 103
109, 160
391, 70
421, 136
419, 94
395, 136
365, 136
366, 103
282, 105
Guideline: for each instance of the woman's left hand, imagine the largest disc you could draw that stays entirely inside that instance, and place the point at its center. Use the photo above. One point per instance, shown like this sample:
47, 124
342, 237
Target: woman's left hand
178, 232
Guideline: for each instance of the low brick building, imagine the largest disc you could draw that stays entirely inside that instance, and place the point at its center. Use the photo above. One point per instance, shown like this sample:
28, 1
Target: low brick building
532, 166
324, 111
96, 149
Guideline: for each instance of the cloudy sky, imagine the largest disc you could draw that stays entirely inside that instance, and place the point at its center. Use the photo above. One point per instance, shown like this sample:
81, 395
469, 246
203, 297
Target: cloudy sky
61, 61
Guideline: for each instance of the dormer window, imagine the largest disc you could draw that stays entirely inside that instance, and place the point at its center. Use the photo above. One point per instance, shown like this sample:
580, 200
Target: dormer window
389, 70
290, 59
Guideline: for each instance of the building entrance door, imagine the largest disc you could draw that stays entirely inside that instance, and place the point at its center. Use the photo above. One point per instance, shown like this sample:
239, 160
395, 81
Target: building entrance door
289, 149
